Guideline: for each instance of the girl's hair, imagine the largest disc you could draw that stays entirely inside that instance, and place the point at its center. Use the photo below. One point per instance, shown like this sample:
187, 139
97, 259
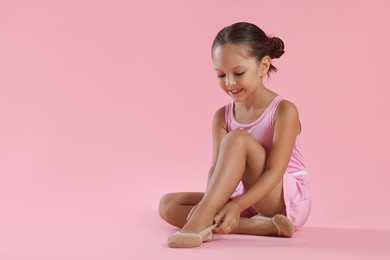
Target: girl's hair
257, 42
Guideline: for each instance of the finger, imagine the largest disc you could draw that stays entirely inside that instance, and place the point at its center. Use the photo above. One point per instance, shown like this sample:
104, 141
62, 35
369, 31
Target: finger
227, 229
217, 230
221, 231
219, 218
225, 225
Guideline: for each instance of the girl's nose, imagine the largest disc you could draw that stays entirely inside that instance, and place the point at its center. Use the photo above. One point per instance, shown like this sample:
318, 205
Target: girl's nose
230, 81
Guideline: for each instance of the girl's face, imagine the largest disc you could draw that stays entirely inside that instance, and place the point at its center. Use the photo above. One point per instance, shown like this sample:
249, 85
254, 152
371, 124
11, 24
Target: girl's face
239, 75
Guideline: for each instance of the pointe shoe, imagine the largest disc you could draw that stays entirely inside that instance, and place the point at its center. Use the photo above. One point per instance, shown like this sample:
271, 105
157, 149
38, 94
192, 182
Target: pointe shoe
282, 223
184, 240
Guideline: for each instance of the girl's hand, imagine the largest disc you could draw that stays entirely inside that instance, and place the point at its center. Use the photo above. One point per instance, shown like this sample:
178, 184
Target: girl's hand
228, 218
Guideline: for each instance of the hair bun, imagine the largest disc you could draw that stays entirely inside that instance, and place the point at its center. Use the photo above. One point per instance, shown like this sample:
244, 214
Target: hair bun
277, 47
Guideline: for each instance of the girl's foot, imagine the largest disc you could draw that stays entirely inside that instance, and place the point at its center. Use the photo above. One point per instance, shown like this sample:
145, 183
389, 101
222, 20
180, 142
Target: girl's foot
194, 233
185, 240
279, 225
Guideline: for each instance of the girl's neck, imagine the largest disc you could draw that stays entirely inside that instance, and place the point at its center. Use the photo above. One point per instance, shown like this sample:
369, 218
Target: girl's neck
259, 100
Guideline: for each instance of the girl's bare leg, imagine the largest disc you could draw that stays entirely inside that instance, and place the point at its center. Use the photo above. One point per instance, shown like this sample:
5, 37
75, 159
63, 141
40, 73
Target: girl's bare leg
175, 207
240, 157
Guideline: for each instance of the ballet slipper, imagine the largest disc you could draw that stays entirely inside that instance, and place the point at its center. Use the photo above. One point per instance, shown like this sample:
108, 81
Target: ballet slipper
282, 223
184, 240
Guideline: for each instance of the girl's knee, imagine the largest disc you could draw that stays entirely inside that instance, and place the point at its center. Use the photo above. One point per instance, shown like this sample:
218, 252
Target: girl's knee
165, 205
236, 137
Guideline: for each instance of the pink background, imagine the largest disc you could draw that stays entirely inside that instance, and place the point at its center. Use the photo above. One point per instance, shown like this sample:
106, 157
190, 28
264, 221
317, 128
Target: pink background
107, 105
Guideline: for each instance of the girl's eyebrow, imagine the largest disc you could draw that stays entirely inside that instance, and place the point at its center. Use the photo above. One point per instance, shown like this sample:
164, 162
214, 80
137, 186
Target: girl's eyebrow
233, 67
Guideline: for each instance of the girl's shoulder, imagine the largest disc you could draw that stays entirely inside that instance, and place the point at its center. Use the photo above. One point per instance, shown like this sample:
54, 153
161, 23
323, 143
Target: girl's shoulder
286, 106
286, 112
220, 113
219, 116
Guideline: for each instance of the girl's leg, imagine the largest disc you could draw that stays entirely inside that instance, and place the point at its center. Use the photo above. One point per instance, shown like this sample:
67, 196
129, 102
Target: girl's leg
175, 207
240, 157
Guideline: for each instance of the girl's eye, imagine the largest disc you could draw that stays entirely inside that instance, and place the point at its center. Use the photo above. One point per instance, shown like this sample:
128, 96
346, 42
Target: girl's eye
236, 74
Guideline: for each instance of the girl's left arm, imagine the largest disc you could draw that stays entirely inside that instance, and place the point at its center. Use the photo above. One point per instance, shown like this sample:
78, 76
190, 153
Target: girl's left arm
286, 129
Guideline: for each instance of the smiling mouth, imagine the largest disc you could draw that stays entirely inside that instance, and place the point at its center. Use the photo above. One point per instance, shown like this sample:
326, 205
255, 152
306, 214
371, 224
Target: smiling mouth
235, 91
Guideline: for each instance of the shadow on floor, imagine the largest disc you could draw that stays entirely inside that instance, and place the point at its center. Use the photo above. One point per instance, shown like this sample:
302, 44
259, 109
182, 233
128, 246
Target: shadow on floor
318, 242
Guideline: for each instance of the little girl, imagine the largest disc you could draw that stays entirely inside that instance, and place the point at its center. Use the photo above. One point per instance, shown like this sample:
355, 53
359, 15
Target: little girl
257, 182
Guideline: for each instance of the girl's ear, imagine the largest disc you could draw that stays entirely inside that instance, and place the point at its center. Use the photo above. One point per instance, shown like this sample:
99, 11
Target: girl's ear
264, 65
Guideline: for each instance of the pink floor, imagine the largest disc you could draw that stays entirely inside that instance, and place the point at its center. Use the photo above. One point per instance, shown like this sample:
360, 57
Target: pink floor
129, 232
309, 243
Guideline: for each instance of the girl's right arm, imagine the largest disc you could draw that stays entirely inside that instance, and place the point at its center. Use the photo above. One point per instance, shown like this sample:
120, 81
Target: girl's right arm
219, 131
